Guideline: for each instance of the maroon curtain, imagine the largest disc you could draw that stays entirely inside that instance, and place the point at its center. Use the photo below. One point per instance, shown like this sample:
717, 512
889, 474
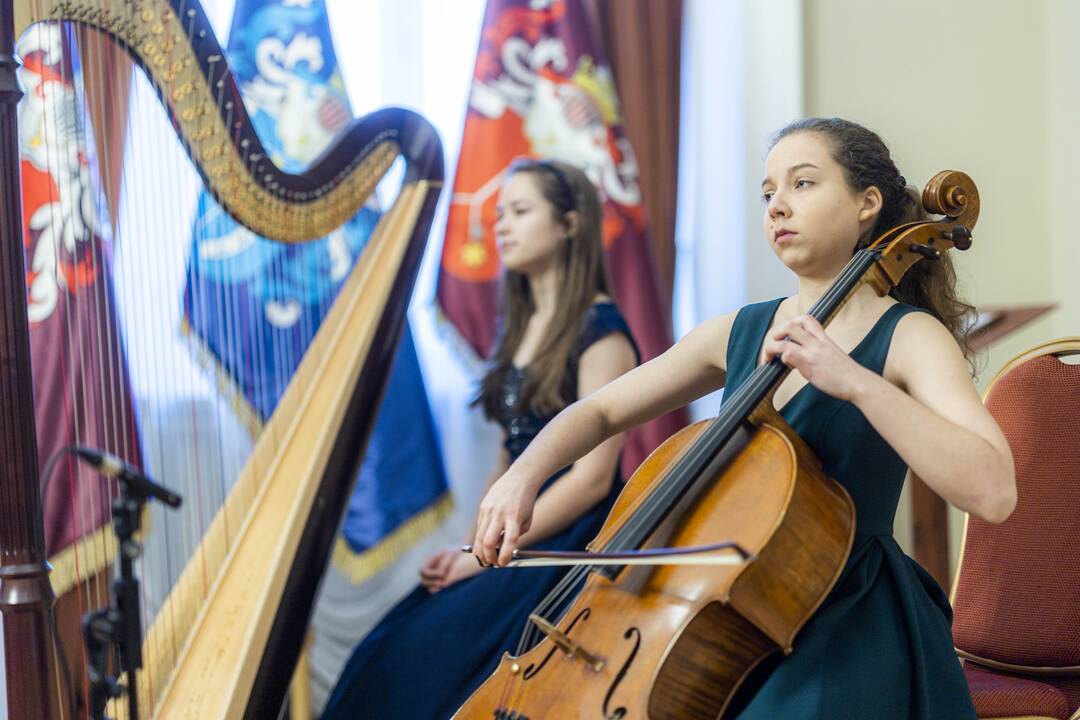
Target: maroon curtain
643, 39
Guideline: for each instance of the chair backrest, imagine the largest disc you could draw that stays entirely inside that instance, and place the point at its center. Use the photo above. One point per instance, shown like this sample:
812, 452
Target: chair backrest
1017, 594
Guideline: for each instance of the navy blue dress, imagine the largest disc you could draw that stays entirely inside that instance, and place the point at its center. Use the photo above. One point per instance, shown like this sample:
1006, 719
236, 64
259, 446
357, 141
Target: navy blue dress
880, 646
424, 659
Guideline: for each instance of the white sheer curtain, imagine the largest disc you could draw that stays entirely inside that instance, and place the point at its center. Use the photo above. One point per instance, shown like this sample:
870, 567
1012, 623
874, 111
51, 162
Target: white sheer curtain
417, 54
741, 81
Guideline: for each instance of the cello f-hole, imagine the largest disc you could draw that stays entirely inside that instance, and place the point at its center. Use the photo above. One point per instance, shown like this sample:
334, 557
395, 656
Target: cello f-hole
532, 670
620, 712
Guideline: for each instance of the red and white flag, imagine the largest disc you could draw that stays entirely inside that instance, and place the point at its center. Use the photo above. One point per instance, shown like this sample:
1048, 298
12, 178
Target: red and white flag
542, 87
81, 389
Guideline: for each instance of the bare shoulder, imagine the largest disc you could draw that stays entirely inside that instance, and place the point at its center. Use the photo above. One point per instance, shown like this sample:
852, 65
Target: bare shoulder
919, 331
606, 359
709, 340
922, 343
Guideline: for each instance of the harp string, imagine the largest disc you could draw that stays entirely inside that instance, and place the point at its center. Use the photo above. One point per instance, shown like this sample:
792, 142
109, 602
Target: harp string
67, 123
103, 337
112, 396
119, 335
60, 128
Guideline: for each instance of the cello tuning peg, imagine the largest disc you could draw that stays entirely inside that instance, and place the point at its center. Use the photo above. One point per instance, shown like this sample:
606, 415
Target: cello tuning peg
926, 251
960, 237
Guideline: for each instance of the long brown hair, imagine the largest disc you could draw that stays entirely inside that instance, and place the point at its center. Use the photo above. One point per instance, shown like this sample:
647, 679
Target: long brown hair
867, 162
548, 387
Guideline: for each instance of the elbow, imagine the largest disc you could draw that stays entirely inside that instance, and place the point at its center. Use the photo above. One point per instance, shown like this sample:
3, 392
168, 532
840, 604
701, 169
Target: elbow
998, 505
997, 511
1001, 508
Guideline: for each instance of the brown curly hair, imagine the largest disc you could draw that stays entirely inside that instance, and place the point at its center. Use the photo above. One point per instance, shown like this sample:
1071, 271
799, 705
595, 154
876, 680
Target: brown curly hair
867, 162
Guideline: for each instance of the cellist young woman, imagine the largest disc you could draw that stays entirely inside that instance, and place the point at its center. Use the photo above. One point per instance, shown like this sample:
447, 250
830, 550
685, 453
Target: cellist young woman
885, 391
562, 337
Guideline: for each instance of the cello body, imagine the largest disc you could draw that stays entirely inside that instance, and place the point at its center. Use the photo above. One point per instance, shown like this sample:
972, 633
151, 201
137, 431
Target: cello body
676, 641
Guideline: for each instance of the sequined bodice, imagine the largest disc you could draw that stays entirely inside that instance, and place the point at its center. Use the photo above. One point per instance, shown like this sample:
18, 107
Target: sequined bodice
521, 426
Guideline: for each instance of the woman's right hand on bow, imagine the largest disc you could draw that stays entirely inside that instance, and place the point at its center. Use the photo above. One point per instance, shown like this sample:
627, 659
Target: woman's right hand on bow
505, 515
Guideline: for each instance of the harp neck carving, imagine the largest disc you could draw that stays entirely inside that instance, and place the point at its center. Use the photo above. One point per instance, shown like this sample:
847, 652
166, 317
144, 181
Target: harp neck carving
174, 44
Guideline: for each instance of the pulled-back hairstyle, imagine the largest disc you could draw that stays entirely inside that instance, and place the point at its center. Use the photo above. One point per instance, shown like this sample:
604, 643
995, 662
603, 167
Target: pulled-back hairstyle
867, 162
548, 387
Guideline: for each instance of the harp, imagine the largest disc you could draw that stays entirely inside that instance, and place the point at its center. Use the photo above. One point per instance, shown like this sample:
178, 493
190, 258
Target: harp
225, 640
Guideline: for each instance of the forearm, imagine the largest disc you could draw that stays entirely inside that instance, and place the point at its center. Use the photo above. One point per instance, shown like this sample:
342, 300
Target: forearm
958, 464
500, 467
572, 434
568, 498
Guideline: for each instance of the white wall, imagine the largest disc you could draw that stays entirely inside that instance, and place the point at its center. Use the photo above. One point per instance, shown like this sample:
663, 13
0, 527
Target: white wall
1062, 56
984, 86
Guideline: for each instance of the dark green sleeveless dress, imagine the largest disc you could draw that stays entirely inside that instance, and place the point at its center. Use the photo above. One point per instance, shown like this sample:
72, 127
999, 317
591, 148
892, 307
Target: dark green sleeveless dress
880, 646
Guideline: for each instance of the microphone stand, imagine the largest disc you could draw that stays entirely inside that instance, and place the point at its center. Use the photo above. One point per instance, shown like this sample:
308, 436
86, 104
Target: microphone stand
120, 624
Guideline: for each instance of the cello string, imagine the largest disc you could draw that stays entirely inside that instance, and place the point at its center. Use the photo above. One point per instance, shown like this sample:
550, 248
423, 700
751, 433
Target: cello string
691, 461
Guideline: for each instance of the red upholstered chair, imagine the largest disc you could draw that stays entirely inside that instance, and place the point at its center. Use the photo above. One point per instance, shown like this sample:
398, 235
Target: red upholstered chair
1016, 598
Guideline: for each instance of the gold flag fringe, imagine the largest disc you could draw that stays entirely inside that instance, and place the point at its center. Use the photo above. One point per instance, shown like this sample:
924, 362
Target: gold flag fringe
94, 551
358, 567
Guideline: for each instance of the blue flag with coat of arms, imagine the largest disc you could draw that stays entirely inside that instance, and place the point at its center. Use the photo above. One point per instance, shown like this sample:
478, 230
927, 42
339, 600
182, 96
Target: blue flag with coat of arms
249, 298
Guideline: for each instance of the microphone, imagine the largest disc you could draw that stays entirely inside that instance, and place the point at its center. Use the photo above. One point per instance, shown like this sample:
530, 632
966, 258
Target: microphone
111, 466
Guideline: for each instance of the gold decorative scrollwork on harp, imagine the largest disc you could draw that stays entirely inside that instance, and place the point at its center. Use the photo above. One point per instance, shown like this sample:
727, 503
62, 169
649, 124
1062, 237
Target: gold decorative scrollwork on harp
182, 59
269, 542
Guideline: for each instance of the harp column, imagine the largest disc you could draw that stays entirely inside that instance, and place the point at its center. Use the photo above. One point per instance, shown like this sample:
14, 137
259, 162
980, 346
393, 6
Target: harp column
26, 597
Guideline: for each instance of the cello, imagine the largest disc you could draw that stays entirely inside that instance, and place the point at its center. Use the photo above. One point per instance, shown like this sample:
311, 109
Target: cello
649, 634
